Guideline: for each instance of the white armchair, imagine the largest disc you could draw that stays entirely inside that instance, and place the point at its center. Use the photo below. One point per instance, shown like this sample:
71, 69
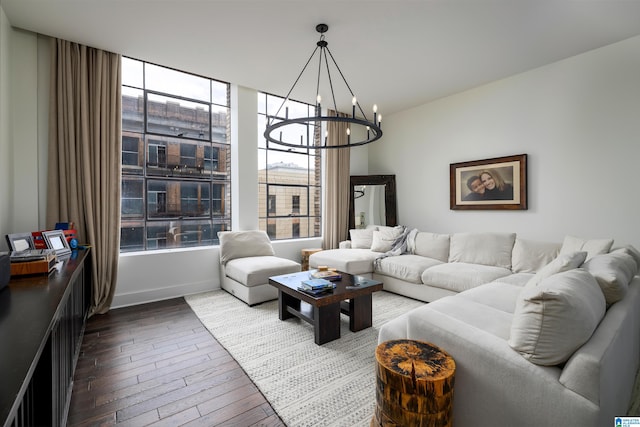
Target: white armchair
247, 260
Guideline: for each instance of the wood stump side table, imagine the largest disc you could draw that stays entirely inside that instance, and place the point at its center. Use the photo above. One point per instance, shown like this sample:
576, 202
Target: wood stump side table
305, 254
414, 385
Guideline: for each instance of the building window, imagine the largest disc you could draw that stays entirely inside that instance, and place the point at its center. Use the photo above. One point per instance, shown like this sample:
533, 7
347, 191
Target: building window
271, 229
290, 175
176, 176
295, 204
271, 204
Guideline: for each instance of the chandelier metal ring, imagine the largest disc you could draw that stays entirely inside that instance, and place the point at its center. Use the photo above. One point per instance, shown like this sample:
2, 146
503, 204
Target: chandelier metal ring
374, 134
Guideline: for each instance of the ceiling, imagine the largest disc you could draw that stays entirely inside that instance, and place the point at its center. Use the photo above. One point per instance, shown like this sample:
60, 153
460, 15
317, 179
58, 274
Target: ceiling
395, 53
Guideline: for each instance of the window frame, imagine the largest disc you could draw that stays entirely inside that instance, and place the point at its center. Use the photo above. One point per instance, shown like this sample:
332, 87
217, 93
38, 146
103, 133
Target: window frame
308, 216
199, 177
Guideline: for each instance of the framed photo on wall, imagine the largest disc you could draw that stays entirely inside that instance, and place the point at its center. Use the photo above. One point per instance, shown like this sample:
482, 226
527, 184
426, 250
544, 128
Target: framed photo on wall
489, 184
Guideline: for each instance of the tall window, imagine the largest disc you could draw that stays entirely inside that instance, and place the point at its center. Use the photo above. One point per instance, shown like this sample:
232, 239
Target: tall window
175, 158
289, 176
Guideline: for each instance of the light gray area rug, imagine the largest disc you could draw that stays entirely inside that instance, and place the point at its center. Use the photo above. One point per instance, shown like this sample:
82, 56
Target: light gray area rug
307, 384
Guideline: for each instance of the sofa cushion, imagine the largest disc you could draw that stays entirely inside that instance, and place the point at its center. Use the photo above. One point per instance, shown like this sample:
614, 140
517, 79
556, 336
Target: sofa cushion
613, 272
517, 279
460, 276
591, 246
352, 261
254, 271
530, 256
361, 238
239, 244
405, 267
460, 312
482, 248
632, 251
384, 237
564, 262
432, 245
499, 295
552, 320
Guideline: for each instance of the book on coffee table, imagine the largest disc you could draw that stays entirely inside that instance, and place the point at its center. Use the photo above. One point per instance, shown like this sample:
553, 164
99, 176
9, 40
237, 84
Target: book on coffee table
317, 284
315, 292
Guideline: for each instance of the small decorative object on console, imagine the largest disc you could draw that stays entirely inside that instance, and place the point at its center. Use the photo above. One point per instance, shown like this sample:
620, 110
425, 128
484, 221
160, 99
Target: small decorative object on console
31, 255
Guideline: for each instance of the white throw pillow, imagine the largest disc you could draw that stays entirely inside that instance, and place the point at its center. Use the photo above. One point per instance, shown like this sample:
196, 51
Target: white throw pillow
591, 246
492, 249
613, 271
551, 321
241, 244
384, 237
361, 238
564, 262
529, 256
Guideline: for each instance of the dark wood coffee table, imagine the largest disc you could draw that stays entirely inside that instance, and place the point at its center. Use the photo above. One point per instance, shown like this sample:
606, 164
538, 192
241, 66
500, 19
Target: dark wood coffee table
323, 311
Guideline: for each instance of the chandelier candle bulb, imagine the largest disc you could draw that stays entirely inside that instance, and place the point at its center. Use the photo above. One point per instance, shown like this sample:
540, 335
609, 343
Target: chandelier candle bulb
354, 102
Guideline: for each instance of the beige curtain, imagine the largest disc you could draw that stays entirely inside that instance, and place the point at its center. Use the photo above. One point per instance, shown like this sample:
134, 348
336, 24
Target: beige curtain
336, 185
84, 156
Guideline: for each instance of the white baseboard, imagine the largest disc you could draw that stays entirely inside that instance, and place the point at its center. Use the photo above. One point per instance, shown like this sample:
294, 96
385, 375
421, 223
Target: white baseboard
159, 294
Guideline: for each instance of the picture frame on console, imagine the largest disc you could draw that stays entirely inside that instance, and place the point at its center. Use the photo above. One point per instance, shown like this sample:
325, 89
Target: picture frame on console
491, 184
20, 242
55, 240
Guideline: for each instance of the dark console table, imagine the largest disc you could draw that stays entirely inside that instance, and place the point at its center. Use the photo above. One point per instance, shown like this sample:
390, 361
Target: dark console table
42, 321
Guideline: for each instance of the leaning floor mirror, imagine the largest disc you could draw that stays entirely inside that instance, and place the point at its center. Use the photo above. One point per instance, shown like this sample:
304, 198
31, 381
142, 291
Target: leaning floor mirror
372, 201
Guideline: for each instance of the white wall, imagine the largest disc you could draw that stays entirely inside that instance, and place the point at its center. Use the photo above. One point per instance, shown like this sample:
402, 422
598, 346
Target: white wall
23, 129
579, 122
6, 171
24, 119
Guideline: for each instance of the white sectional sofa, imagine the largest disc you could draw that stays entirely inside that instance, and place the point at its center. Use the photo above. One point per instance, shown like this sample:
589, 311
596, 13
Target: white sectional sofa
543, 334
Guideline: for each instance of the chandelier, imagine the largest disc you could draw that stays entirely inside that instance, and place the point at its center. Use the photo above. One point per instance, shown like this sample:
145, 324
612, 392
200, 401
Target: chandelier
276, 123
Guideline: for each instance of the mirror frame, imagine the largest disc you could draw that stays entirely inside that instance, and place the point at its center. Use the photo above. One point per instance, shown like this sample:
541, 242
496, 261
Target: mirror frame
389, 181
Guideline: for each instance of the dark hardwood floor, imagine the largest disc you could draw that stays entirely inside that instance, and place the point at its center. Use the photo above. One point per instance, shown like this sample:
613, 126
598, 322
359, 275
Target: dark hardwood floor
156, 364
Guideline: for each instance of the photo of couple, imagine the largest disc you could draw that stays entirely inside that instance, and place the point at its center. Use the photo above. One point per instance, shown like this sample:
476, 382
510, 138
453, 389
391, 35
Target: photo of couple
488, 184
